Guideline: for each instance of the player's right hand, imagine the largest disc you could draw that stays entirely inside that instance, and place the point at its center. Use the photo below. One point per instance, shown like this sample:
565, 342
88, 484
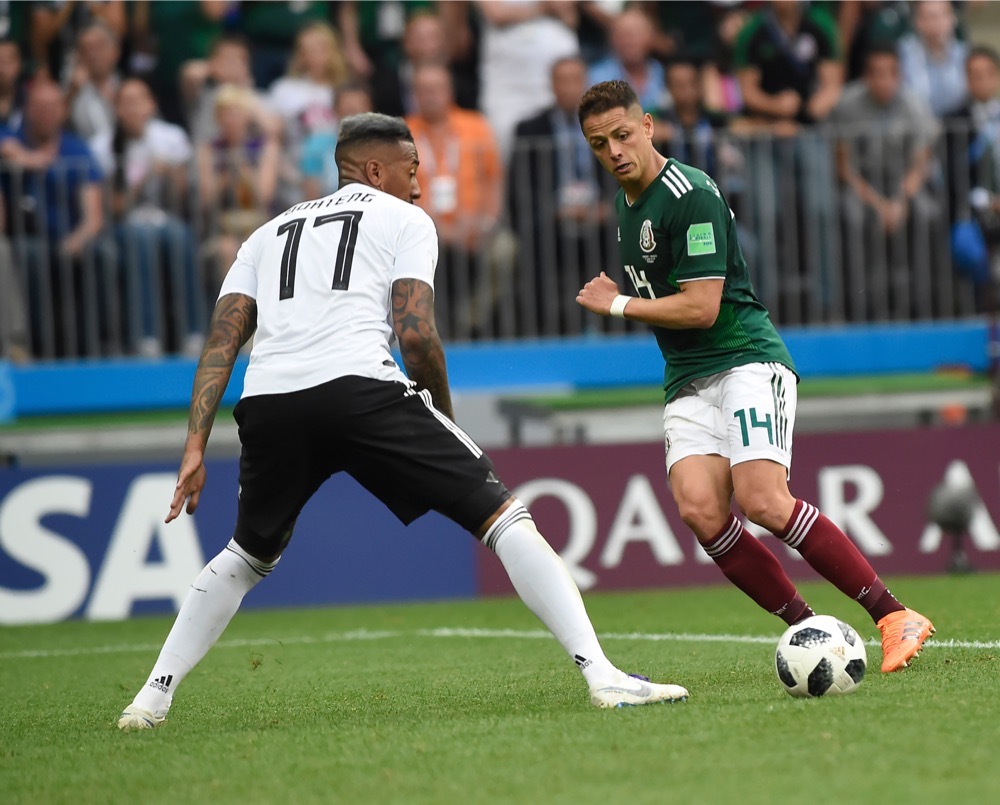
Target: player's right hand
190, 482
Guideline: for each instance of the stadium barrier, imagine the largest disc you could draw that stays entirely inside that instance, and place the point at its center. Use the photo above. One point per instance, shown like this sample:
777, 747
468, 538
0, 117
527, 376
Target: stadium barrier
505, 367
89, 542
145, 284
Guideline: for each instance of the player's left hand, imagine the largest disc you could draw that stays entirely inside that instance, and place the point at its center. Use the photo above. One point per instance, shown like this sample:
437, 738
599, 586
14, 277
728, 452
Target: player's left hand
598, 294
190, 482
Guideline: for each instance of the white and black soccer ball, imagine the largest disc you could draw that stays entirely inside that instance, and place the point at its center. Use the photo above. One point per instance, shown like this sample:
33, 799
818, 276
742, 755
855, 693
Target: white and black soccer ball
820, 656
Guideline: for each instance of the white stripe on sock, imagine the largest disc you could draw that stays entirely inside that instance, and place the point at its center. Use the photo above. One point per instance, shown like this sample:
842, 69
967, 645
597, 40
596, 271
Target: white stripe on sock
727, 540
807, 517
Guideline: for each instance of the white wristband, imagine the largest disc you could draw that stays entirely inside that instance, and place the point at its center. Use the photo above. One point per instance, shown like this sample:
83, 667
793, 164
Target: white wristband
618, 305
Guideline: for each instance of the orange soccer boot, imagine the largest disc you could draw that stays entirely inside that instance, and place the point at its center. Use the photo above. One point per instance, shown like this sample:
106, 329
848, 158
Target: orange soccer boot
903, 635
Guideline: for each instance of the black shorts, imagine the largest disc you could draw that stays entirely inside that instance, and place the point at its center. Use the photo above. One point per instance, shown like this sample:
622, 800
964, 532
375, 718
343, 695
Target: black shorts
388, 436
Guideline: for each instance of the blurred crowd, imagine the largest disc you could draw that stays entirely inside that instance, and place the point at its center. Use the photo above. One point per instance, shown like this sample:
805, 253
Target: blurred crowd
141, 142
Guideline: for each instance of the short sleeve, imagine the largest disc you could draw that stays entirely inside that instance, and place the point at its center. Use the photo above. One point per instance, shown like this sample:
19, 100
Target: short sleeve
178, 145
828, 47
744, 39
242, 276
416, 249
700, 240
91, 167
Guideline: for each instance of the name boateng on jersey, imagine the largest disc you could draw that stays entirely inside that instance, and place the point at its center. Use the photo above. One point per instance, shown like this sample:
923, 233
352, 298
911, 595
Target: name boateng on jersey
321, 273
681, 229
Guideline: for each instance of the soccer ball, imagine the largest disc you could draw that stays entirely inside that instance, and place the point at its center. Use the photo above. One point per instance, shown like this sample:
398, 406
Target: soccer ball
820, 656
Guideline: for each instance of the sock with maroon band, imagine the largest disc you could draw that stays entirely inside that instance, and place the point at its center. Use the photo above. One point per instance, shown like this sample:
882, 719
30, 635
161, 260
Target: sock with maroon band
756, 571
831, 553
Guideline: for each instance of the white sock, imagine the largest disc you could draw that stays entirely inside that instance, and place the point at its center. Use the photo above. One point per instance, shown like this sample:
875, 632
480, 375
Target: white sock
208, 607
544, 584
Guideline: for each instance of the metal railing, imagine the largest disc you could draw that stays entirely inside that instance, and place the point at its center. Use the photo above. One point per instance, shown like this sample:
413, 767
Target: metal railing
818, 254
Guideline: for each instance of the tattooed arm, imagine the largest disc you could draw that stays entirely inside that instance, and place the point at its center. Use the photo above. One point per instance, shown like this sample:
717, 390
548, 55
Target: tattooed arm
233, 323
419, 343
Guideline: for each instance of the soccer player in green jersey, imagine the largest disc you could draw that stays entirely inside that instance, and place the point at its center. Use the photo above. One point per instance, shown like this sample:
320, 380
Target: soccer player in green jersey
730, 383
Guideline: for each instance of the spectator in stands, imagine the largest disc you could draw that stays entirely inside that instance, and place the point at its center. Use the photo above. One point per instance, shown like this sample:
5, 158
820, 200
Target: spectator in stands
95, 81
55, 25
424, 42
974, 159
557, 205
933, 59
158, 57
274, 27
238, 177
304, 98
147, 160
519, 44
594, 30
319, 168
461, 182
884, 143
15, 338
864, 23
374, 33
687, 130
720, 85
790, 78
228, 63
51, 186
11, 87
632, 61
687, 28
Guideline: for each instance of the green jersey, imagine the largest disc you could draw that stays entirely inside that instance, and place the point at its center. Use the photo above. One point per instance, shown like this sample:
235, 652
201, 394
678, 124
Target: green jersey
681, 229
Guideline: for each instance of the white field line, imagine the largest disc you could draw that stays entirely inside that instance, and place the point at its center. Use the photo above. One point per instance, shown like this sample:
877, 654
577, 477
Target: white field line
443, 633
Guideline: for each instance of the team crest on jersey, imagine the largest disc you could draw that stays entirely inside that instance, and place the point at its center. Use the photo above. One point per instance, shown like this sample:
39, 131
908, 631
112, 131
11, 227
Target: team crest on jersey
646, 240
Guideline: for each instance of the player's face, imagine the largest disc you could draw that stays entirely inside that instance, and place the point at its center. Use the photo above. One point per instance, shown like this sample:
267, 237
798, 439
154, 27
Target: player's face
400, 172
622, 140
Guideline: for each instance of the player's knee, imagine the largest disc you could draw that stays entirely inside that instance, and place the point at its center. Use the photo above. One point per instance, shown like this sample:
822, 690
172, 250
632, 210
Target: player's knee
263, 548
764, 507
701, 512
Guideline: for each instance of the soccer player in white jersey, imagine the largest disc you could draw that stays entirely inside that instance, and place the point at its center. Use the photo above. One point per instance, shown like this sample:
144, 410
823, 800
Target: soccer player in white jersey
328, 285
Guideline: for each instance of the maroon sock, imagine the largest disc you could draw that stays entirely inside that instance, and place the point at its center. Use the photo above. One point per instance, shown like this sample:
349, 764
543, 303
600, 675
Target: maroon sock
756, 571
831, 553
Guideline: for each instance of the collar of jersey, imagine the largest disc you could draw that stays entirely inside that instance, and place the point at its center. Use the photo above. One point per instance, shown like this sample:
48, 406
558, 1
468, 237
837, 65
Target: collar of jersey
649, 187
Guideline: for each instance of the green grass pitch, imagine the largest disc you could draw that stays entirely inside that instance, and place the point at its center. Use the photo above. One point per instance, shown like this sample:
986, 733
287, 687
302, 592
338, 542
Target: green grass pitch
469, 702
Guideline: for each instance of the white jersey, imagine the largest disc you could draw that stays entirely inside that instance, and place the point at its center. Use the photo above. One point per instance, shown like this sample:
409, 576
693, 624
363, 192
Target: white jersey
322, 275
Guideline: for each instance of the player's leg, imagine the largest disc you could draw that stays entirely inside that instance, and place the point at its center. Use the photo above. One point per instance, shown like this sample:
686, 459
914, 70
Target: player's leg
546, 587
413, 458
277, 477
699, 473
211, 602
759, 404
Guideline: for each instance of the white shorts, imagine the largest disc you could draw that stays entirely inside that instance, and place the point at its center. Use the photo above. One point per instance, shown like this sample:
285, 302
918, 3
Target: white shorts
742, 414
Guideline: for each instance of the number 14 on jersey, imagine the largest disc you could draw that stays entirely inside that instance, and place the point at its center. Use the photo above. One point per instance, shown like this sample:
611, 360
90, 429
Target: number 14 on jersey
639, 281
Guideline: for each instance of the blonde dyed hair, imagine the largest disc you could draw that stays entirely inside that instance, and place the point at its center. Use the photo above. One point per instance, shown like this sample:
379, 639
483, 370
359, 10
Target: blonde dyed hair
234, 95
337, 72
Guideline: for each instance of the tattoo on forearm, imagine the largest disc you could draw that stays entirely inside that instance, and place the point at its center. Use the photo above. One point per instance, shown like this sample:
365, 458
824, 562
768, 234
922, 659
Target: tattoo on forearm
419, 343
233, 322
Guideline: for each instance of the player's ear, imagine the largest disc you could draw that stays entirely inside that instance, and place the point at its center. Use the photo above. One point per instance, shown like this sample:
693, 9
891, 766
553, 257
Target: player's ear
647, 125
375, 172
